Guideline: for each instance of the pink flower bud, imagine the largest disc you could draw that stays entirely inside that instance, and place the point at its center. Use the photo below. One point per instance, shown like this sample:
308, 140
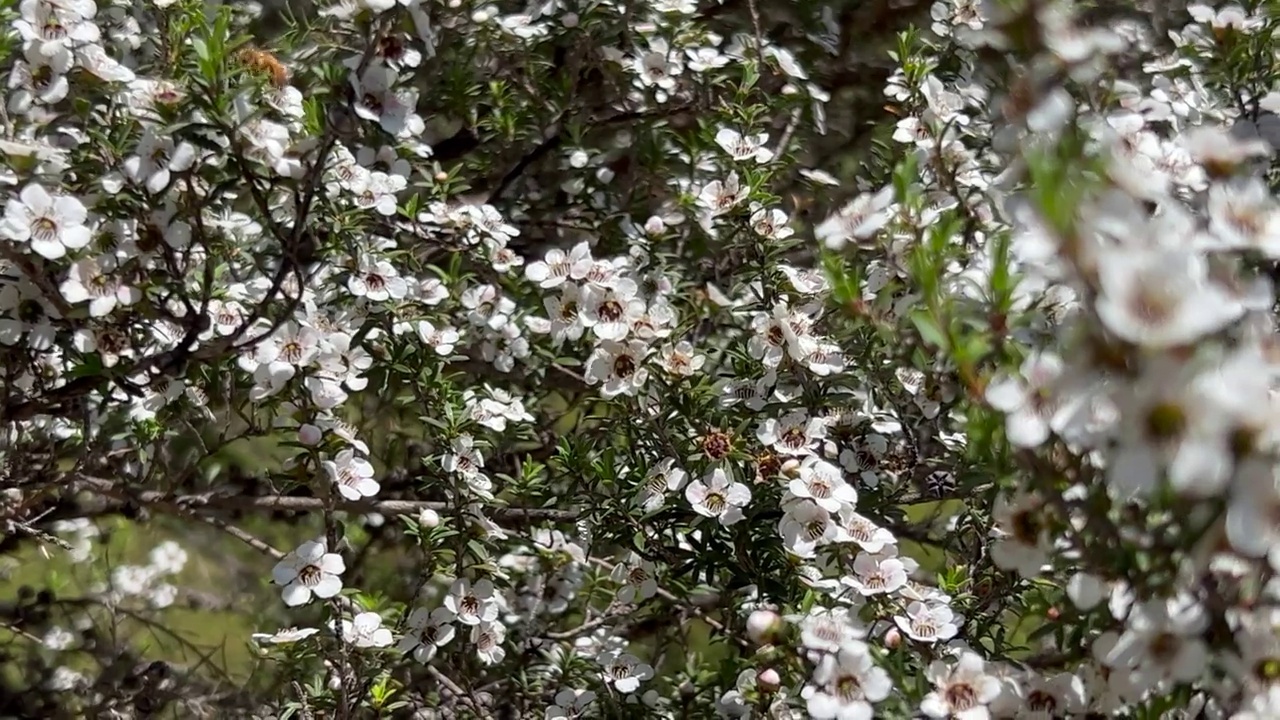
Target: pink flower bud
892, 638
768, 681
762, 625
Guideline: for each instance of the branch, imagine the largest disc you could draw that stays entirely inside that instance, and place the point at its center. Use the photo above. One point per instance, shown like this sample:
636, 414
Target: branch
307, 504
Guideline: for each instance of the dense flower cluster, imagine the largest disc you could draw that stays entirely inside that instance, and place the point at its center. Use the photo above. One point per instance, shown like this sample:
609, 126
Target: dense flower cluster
590, 370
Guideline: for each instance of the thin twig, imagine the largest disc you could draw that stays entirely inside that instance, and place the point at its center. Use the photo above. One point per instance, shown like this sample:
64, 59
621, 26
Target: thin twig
461, 694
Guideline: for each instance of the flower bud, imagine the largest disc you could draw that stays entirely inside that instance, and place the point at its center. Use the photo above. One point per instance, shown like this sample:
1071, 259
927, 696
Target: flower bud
892, 638
768, 681
791, 468
309, 434
428, 518
763, 625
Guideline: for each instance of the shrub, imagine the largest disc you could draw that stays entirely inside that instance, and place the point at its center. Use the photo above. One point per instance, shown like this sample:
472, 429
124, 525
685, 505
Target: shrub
408, 359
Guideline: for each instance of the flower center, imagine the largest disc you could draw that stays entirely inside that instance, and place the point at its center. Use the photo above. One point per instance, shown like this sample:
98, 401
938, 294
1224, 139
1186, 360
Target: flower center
44, 229
794, 438
715, 502
924, 627
291, 351
961, 697
310, 575
624, 366
470, 605
1042, 701
610, 310
820, 489
815, 529
849, 689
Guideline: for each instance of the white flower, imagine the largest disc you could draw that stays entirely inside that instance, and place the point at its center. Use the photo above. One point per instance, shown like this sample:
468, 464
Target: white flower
661, 479
1033, 402
1255, 503
681, 360
377, 280
50, 224
619, 367
352, 475
309, 570
859, 220
168, 557
1162, 643
365, 631
379, 101
623, 671
442, 339
555, 268
846, 684
745, 147
428, 630
805, 525
794, 434
928, 623
1161, 298
1221, 153
773, 224
158, 158
823, 483
720, 196
719, 497
1022, 540
659, 66
861, 530
90, 279
610, 311
962, 691
465, 459
487, 638
638, 578
472, 604
285, 636
1244, 215
825, 630
570, 703
1062, 695
877, 574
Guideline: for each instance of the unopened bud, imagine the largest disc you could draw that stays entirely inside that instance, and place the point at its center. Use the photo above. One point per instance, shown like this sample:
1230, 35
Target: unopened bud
428, 518
309, 434
768, 681
763, 625
892, 638
791, 468
441, 176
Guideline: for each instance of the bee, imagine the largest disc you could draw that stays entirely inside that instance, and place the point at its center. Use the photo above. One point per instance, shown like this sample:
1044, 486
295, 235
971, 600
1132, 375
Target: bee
265, 62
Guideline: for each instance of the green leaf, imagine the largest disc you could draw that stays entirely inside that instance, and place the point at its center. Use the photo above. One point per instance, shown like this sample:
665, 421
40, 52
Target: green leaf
928, 328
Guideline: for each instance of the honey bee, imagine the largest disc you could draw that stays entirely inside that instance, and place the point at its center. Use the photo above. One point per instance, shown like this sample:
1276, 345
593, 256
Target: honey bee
266, 63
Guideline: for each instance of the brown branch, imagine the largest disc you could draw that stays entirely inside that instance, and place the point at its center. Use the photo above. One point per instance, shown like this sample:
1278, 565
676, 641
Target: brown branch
308, 504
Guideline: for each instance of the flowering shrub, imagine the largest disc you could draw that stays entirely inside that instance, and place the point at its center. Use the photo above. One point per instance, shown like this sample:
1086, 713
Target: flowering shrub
662, 359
